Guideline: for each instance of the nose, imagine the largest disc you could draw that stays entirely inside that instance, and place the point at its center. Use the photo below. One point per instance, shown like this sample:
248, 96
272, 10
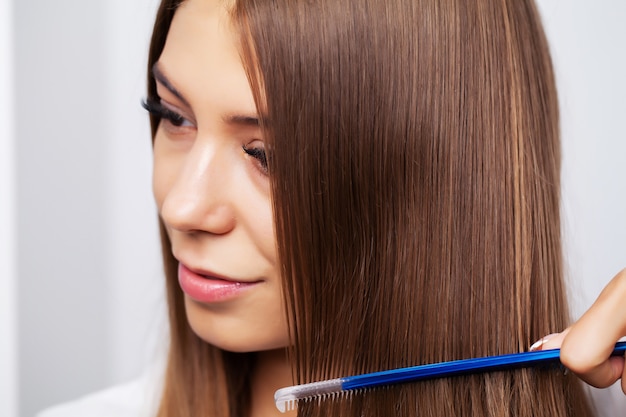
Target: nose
199, 198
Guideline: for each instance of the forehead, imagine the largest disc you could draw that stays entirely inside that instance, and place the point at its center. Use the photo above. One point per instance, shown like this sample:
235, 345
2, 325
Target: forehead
204, 6
201, 56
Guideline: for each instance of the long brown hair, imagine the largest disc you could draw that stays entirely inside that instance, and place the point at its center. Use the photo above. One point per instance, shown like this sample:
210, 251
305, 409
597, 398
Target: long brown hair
415, 178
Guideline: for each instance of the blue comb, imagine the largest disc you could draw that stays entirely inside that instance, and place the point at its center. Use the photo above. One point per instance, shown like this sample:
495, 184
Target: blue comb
287, 398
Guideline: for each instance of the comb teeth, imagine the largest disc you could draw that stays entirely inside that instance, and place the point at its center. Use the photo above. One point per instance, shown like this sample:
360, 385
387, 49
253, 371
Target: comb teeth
287, 398
289, 405
292, 404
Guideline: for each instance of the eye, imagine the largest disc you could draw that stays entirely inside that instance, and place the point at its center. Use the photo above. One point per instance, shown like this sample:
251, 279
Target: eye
258, 153
163, 112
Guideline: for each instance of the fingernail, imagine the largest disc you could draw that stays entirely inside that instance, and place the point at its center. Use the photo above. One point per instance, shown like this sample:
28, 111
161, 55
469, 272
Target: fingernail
539, 343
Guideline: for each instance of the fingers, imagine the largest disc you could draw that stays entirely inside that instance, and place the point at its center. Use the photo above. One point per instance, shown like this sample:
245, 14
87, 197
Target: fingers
552, 341
587, 345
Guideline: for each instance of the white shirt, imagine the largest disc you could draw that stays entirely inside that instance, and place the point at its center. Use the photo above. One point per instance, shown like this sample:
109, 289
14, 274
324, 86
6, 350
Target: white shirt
139, 398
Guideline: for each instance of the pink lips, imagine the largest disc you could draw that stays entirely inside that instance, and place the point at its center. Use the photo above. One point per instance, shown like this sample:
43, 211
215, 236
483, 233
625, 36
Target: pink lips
208, 289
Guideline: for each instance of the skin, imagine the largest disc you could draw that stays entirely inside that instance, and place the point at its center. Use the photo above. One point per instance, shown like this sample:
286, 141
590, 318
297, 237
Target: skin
214, 197
604, 323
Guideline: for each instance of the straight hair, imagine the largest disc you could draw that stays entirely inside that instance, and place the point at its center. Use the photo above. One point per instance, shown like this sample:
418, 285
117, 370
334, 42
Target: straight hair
414, 164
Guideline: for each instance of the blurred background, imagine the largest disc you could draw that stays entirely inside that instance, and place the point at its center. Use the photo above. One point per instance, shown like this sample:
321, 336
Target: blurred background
81, 304
83, 282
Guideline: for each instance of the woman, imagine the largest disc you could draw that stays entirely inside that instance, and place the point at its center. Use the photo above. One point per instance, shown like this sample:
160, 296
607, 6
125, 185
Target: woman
347, 187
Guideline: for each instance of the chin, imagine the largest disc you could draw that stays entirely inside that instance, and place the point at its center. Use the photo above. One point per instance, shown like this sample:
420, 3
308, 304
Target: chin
235, 331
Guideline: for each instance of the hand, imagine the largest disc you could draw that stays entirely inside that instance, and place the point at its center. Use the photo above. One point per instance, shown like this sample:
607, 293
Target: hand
586, 345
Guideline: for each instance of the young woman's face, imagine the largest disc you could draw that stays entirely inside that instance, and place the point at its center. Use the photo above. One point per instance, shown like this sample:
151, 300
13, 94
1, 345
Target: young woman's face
211, 185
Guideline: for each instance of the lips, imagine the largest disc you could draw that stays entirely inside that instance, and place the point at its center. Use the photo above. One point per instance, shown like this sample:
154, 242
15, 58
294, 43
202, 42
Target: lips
206, 287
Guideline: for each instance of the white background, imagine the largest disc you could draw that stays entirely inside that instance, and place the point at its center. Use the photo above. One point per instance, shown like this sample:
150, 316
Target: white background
80, 278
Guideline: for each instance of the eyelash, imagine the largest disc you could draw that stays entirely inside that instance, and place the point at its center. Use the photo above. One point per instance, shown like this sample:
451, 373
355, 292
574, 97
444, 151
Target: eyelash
258, 154
157, 109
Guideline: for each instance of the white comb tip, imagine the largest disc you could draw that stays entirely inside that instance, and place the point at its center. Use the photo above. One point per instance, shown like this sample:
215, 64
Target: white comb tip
284, 406
286, 399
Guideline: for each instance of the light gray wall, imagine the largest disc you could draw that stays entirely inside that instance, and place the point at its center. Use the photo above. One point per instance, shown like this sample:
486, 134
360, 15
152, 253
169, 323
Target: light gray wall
8, 304
89, 303
62, 287
89, 287
588, 42
137, 330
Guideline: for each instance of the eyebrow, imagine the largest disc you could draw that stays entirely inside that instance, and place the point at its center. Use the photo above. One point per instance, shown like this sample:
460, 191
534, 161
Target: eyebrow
243, 120
233, 119
165, 82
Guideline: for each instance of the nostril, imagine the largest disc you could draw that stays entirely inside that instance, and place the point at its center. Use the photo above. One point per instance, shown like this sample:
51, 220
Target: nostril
219, 220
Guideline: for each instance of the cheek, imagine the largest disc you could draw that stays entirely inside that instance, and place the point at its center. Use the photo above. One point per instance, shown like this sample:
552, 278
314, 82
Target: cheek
254, 207
163, 173
264, 227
